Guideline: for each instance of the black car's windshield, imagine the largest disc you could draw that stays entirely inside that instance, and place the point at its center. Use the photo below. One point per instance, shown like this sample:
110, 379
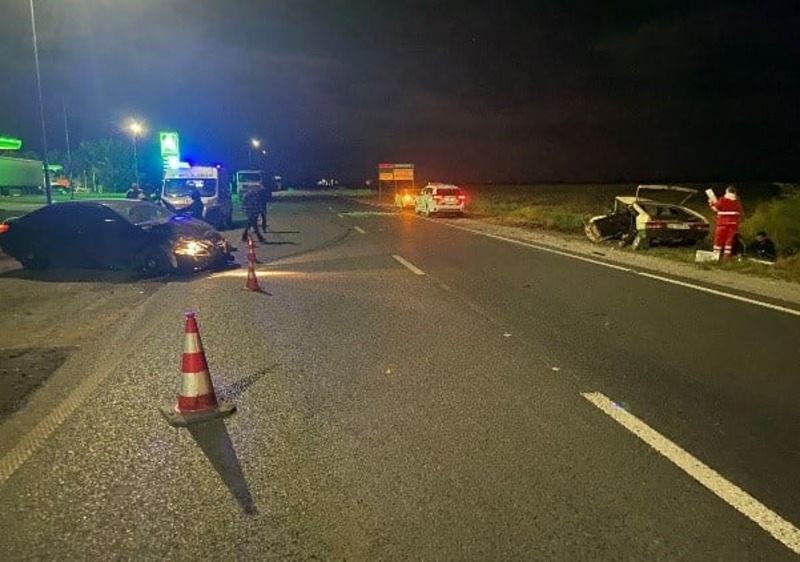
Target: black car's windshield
182, 187
249, 176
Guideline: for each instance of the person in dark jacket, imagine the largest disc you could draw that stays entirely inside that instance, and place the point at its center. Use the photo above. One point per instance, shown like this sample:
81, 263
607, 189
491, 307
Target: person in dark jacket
252, 206
135, 192
763, 248
266, 197
195, 208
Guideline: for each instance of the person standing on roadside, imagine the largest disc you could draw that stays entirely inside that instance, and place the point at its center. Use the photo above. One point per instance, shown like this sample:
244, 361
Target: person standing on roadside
252, 206
729, 212
135, 192
196, 207
265, 196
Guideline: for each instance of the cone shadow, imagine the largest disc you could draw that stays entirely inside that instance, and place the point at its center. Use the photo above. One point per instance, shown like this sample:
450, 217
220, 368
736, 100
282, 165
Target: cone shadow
214, 440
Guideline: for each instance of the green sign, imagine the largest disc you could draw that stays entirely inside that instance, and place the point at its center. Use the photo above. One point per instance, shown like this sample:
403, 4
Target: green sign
8, 143
169, 144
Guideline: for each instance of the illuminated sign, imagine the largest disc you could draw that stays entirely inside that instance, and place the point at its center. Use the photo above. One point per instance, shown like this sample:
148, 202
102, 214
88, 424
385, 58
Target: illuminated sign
169, 144
8, 143
396, 172
198, 172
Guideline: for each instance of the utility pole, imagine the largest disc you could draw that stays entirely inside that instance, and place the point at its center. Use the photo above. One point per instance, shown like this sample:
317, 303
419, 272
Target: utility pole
47, 188
69, 153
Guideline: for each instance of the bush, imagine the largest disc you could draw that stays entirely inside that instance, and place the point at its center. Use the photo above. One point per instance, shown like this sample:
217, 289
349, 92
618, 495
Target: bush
781, 220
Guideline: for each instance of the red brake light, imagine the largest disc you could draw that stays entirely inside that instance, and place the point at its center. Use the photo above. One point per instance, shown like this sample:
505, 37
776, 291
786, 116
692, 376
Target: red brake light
4, 227
653, 225
462, 197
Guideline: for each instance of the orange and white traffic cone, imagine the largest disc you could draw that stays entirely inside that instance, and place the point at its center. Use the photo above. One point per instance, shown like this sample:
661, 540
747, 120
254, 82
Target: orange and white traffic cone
197, 401
251, 250
252, 280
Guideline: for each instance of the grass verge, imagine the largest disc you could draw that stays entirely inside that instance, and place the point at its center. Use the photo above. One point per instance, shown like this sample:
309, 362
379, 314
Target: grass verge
565, 207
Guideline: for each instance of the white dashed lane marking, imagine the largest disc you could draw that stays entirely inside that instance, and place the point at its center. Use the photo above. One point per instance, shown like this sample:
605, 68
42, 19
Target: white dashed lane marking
730, 493
413, 268
359, 230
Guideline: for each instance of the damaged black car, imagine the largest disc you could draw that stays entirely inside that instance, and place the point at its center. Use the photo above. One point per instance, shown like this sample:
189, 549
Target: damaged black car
111, 234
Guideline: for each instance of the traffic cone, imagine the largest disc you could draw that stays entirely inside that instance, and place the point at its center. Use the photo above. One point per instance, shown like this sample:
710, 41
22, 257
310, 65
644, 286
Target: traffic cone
197, 401
251, 250
252, 280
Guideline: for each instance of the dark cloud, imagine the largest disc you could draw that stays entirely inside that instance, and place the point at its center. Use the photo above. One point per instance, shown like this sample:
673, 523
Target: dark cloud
467, 90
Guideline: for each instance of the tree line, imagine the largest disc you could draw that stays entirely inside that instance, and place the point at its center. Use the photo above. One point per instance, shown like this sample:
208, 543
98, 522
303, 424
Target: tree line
105, 165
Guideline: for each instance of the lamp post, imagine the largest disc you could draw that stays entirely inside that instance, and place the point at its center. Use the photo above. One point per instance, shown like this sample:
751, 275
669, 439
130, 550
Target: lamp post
254, 144
47, 188
135, 128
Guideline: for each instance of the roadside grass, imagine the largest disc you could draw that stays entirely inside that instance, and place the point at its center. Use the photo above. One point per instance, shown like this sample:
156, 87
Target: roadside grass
565, 207
562, 208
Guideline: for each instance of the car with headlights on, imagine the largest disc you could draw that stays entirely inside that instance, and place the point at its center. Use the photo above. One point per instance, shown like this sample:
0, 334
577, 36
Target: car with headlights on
646, 221
111, 234
440, 198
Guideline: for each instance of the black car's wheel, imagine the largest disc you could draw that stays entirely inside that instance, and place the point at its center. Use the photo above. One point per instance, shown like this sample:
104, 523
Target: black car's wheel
33, 260
156, 261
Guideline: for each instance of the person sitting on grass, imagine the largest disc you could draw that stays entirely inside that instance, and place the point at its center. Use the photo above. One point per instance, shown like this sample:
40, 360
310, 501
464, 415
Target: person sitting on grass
763, 248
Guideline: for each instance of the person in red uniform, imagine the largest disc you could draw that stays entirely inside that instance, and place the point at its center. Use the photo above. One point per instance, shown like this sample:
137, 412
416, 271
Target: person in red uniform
729, 213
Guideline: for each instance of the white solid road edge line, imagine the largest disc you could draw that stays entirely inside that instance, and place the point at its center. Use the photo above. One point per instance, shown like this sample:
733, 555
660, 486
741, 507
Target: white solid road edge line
409, 265
719, 293
359, 230
700, 288
744, 503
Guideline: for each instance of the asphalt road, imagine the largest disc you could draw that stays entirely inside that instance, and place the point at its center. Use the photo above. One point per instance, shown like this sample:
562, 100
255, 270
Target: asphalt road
409, 390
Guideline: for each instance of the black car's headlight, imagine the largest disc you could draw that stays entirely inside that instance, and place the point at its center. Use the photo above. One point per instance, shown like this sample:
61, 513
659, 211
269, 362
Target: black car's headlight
192, 248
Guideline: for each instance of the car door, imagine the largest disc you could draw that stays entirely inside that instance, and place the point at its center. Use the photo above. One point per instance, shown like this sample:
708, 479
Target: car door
119, 240
66, 228
86, 242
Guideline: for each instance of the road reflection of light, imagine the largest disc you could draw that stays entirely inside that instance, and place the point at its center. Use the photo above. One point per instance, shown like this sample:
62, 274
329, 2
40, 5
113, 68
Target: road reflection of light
242, 272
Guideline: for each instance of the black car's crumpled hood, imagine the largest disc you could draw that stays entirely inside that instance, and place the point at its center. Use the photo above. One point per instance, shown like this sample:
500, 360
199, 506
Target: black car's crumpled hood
193, 228
185, 228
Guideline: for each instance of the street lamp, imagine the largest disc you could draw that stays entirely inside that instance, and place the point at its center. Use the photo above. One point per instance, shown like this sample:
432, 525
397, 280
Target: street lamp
47, 189
135, 128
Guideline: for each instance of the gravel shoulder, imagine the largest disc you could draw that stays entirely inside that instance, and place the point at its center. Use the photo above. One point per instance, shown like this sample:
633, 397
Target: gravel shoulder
48, 316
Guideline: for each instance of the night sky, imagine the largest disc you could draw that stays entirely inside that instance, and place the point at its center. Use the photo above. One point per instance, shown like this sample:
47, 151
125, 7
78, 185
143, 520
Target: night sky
468, 91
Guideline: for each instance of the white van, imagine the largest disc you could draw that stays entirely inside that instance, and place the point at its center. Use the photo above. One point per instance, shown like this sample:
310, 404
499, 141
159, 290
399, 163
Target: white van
214, 191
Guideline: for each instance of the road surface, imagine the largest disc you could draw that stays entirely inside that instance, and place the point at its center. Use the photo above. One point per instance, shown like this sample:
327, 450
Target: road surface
408, 389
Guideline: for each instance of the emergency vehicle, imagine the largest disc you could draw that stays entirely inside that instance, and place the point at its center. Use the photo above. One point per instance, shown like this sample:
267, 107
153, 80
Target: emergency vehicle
214, 190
